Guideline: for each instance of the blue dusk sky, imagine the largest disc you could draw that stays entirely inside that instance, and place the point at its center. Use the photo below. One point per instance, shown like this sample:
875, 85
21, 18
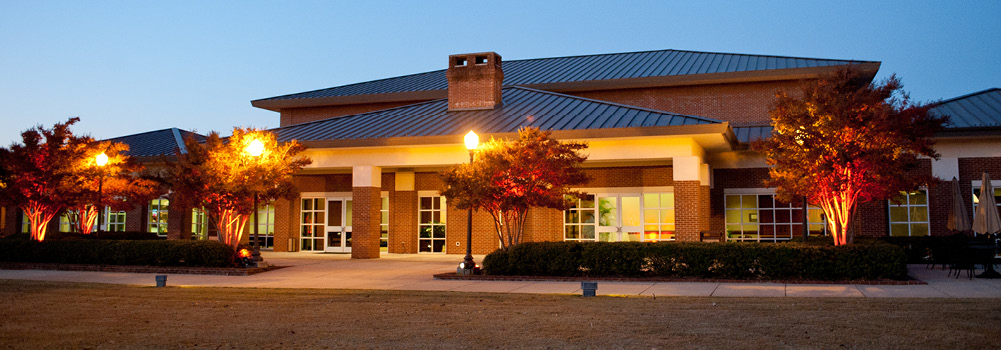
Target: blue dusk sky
126, 67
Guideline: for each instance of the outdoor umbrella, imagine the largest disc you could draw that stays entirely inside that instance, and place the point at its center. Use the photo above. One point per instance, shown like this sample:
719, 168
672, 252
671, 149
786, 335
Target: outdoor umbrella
986, 220
958, 220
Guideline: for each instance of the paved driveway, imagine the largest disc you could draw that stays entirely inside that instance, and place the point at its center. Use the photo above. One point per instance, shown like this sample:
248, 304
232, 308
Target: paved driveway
414, 272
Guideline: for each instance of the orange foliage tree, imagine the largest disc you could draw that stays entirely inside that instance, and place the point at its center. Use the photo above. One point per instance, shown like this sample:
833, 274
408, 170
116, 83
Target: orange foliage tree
40, 174
509, 177
220, 175
847, 141
117, 185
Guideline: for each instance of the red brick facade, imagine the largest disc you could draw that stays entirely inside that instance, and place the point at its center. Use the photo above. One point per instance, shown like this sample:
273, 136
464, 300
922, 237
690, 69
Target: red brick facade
365, 230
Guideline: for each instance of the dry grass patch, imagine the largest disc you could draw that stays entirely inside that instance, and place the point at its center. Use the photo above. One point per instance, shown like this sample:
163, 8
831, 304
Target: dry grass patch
69, 315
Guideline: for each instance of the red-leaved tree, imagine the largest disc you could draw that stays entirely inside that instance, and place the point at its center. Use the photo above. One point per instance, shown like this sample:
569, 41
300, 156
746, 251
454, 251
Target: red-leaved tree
222, 175
118, 185
40, 174
847, 141
509, 177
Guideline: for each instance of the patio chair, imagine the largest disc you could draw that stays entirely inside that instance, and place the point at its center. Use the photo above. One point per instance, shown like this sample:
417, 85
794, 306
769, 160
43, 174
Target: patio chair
963, 258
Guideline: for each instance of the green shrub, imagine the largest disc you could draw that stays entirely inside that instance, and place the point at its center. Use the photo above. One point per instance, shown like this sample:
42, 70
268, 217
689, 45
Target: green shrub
56, 236
119, 252
730, 260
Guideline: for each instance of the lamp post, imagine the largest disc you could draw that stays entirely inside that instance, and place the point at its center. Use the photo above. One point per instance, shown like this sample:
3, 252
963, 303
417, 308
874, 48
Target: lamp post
255, 148
101, 160
468, 266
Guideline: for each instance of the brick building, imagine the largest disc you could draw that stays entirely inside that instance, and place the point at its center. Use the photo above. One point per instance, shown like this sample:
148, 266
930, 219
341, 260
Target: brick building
668, 135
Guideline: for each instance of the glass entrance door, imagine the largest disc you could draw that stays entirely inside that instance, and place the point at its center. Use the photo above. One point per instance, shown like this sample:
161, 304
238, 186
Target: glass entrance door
338, 225
619, 218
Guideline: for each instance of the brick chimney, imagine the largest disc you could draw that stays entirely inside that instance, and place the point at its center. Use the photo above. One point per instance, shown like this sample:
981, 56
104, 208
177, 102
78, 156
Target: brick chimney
474, 81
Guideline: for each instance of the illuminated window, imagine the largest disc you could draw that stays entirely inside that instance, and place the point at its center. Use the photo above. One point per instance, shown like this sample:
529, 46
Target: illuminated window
199, 224
658, 216
431, 226
909, 214
157, 218
265, 225
25, 223
114, 221
996, 185
312, 230
759, 217
67, 221
384, 224
578, 221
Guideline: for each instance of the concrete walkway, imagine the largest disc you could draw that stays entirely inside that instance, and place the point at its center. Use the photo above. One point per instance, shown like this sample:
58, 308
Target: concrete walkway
414, 272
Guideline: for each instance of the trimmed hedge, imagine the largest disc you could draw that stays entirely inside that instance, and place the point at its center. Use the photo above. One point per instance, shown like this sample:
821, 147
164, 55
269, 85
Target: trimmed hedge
119, 252
103, 235
731, 260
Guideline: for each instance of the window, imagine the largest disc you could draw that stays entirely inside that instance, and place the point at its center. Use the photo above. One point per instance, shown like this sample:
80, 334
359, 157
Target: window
759, 217
384, 225
67, 221
157, 219
431, 228
199, 224
996, 185
658, 216
25, 223
578, 221
114, 221
311, 224
909, 214
265, 225
647, 217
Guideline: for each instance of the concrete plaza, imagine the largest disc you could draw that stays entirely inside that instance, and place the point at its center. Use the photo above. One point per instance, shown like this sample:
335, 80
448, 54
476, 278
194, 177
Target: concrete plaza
415, 272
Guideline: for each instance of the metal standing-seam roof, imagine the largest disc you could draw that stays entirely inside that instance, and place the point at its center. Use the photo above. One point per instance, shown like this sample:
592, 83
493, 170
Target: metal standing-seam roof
522, 107
976, 110
747, 134
156, 143
585, 68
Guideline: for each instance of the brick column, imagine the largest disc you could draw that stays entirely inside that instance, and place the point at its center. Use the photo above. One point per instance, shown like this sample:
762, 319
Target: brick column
285, 226
365, 235
691, 197
403, 214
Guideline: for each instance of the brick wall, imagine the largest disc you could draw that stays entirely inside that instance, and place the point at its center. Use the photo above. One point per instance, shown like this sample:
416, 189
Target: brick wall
630, 176
11, 220
291, 116
738, 103
731, 178
971, 169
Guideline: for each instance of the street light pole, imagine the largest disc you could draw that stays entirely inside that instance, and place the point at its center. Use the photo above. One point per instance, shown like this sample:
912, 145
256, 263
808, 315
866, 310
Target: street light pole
468, 266
255, 148
101, 160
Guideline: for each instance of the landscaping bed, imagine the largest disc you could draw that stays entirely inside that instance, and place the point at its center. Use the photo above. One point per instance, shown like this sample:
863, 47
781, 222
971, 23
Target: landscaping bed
872, 261
163, 253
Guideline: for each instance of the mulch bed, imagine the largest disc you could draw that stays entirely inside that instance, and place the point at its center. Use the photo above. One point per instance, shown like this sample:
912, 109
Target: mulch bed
454, 276
220, 271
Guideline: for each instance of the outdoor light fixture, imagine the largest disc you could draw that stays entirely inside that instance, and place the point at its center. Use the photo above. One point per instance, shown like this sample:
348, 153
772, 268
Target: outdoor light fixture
101, 160
468, 267
255, 148
472, 141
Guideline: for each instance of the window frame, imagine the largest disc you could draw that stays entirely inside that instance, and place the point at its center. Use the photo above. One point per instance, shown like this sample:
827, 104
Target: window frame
443, 223
162, 216
794, 227
910, 223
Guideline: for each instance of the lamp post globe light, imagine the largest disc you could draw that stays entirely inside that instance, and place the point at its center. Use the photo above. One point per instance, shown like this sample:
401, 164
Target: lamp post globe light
255, 148
101, 160
468, 266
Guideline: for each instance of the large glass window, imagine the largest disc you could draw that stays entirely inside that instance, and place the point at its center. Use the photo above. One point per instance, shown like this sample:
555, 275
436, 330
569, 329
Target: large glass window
996, 184
384, 225
66, 221
431, 227
909, 214
265, 225
157, 218
759, 217
312, 231
647, 217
